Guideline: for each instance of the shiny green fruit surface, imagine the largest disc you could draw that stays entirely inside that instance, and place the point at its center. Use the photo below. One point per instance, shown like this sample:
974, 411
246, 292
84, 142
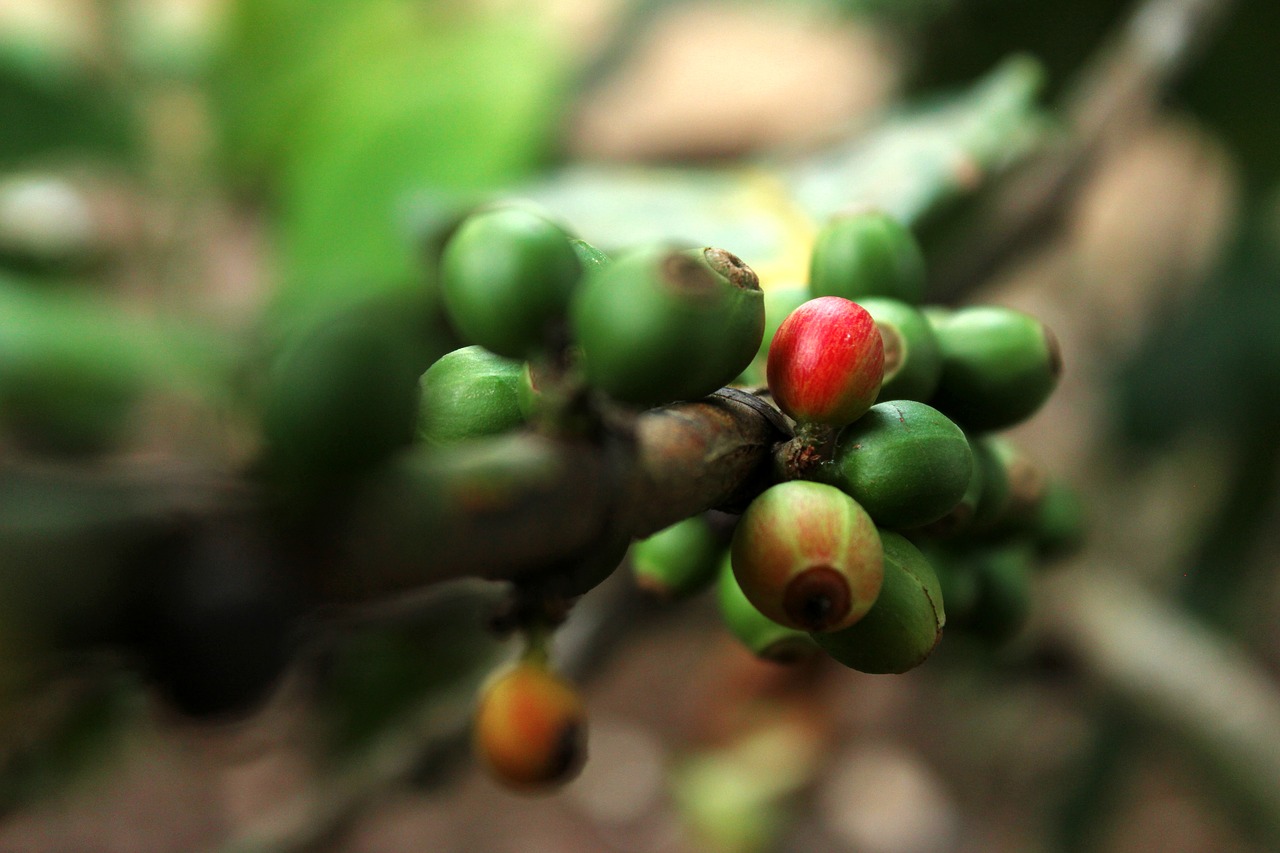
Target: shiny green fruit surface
467, 393
905, 462
867, 254
659, 325
998, 367
912, 357
507, 275
678, 561
904, 625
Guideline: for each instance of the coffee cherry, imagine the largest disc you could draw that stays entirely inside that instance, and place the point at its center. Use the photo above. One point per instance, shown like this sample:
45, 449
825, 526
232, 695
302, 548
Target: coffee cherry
765, 638
996, 495
826, 362
903, 626
1058, 522
467, 393
659, 325
912, 358
530, 728
1003, 602
342, 394
867, 254
507, 275
904, 462
998, 366
678, 561
808, 557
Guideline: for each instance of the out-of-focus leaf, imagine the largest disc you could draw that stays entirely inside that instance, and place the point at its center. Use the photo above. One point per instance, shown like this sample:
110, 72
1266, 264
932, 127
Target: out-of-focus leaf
344, 109
50, 107
914, 164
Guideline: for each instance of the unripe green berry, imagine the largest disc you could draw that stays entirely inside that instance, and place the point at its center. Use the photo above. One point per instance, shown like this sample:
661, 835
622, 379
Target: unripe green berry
912, 358
826, 362
998, 366
867, 254
468, 393
903, 626
1058, 522
765, 638
507, 275
659, 325
904, 462
996, 495
808, 556
1004, 590
678, 561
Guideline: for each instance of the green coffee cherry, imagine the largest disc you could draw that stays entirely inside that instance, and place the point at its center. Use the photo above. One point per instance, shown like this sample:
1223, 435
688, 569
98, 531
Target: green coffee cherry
1004, 590
958, 581
589, 256
342, 393
996, 496
659, 325
903, 626
867, 254
765, 638
998, 366
677, 562
468, 393
912, 358
904, 462
1058, 523
808, 556
779, 301
507, 275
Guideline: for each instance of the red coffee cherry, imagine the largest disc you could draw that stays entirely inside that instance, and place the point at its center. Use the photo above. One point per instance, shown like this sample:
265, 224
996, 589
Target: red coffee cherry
826, 362
530, 728
808, 556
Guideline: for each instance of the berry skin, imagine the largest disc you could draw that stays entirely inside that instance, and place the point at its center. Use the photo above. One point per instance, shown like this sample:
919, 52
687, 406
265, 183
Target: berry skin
659, 324
906, 622
808, 557
467, 393
904, 462
998, 366
912, 358
507, 275
867, 254
530, 728
678, 561
765, 638
826, 362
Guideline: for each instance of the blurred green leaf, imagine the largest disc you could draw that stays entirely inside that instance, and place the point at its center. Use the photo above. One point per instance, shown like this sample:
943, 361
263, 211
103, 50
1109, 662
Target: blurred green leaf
345, 109
51, 107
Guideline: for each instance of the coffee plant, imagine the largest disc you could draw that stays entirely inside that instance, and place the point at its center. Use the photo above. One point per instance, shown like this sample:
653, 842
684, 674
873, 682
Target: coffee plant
395, 491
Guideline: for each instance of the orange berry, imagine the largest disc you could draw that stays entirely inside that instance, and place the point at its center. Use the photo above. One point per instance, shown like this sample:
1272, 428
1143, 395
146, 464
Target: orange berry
530, 728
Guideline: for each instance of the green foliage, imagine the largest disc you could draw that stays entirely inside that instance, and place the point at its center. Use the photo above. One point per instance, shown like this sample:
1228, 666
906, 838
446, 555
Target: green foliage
51, 107
346, 109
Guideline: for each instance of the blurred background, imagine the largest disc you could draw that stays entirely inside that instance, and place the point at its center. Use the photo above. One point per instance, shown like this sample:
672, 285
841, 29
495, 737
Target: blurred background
205, 168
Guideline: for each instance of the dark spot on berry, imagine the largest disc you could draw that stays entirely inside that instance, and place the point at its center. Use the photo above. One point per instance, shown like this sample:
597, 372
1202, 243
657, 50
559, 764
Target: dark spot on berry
817, 599
732, 267
569, 754
1055, 352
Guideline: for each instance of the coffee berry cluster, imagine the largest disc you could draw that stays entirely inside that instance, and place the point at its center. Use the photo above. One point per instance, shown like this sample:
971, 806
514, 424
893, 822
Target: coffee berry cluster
892, 507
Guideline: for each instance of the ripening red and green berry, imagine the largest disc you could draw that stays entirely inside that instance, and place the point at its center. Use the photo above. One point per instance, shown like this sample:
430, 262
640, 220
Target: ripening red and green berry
530, 728
808, 557
826, 362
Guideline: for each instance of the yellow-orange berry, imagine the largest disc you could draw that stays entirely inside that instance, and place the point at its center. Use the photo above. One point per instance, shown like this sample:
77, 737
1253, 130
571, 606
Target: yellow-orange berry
530, 728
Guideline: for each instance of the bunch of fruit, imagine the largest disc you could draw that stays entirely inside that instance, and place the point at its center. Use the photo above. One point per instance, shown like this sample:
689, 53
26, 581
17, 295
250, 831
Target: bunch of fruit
889, 497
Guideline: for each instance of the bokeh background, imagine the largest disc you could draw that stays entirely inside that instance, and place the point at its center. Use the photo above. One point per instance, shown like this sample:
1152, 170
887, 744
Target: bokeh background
214, 162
